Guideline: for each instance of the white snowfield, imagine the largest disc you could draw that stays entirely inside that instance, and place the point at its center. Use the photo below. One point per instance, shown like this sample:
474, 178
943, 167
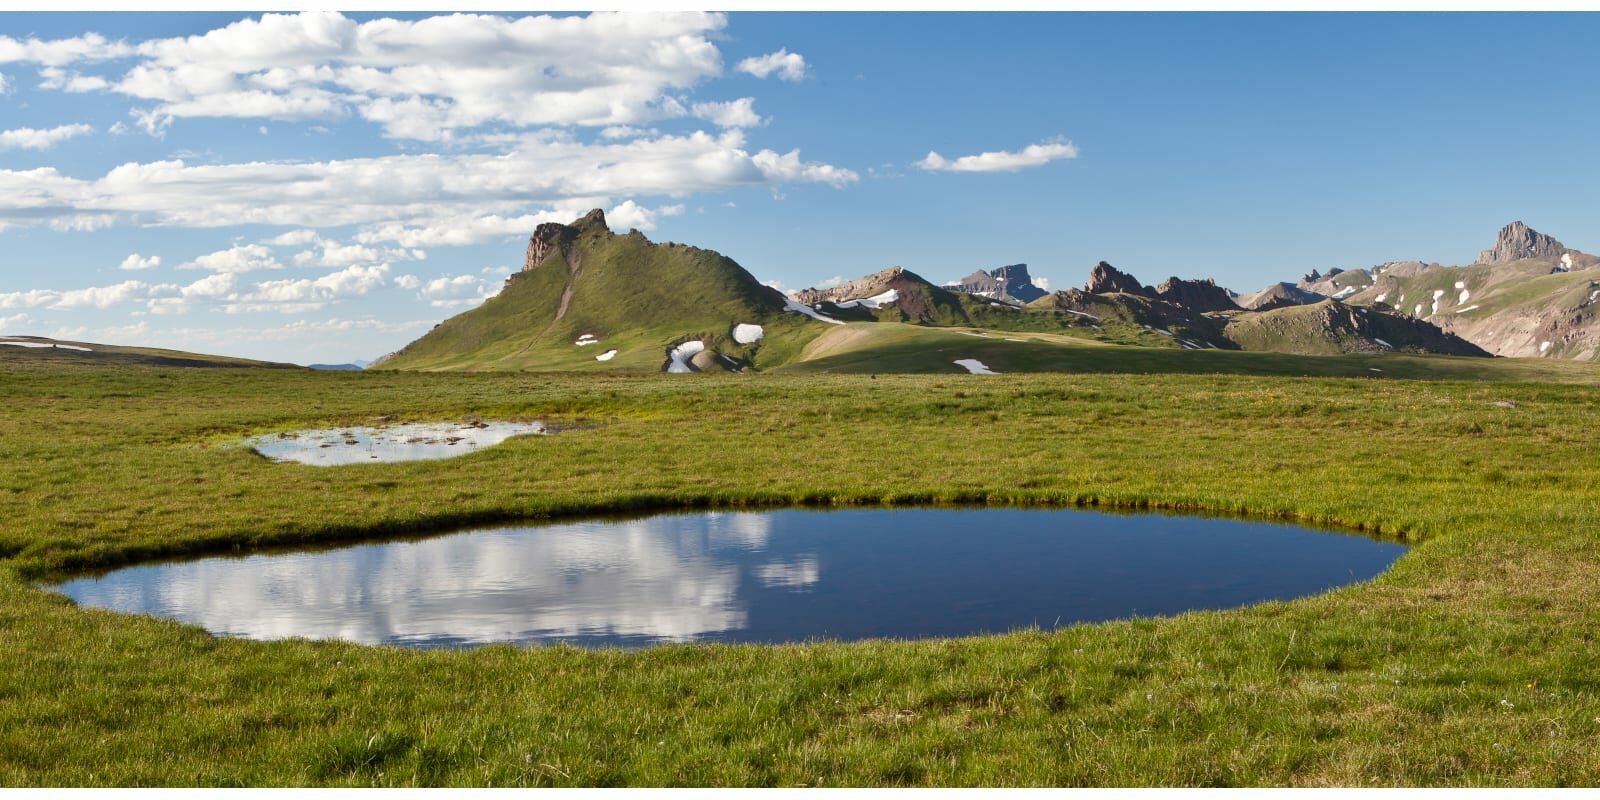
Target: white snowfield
606, 356
975, 366
1465, 293
745, 333
1082, 314
1346, 292
1380, 297
681, 354
1543, 346
49, 345
586, 339
1381, 343
1465, 310
801, 308
875, 301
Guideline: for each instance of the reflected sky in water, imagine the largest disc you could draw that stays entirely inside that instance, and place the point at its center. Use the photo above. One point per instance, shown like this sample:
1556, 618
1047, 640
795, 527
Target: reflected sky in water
770, 576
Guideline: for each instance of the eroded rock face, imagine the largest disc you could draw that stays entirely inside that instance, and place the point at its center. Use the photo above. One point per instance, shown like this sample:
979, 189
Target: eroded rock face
1518, 241
1105, 279
550, 237
1011, 281
872, 285
1279, 295
1203, 295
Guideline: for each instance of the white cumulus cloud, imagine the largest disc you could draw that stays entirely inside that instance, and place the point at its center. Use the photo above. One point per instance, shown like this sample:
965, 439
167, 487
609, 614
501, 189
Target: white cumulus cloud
739, 113
96, 297
453, 291
784, 64
136, 262
59, 52
306, 294
239, 258
70, 82
632, 215
424, 79
1034, 155
404, 193
40, 139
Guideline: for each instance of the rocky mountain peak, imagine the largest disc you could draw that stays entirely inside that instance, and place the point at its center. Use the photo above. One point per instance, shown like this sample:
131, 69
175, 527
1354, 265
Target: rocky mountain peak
1203, 295
1010, 281
872, 285
1105, 279
552, 236
1518, 241
546, 239
594, 220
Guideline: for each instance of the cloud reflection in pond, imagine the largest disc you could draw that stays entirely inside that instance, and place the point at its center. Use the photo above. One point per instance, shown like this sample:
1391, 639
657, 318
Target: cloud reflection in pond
771, 576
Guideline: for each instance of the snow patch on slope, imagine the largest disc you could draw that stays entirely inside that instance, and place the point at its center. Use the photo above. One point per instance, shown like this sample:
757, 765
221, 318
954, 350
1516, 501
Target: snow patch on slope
681, 354
745, 333
875, 301
975, 366
801, 308
47, 345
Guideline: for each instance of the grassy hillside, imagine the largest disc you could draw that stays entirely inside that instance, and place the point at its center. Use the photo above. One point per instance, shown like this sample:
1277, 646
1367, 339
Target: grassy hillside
631, 295
1508, 309
1331, 327
61, 352
1469, 662
888, 348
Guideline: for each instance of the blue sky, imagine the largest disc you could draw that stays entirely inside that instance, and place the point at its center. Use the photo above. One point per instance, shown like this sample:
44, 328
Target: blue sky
346, 182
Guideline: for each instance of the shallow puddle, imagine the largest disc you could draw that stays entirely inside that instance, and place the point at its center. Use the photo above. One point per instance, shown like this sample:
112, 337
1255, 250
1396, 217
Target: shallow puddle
333, 447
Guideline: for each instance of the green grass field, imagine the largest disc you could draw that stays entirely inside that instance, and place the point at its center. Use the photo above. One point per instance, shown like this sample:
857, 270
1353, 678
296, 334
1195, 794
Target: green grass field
1472, 661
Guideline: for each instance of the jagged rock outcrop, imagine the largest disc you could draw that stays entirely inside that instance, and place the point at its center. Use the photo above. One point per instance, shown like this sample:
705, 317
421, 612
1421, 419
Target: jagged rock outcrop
872, 285
1517, 241
1203, 295
1011, 282
1278, 295
550, 237
1106, 279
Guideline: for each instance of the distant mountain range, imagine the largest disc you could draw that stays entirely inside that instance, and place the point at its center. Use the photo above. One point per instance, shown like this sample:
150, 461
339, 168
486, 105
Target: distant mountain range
1527, 295
590, 299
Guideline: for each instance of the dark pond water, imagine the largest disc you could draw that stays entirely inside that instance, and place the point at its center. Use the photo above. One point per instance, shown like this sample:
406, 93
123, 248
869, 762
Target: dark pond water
771, 576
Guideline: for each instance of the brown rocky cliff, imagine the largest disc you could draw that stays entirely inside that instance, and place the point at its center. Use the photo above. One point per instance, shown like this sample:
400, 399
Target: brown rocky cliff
1203, 295
1518, 241
552, 236
1105, 279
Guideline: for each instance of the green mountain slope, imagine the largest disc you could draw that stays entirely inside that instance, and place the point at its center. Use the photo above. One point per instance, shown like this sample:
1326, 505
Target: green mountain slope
614, 292
36, 349
885, 348
589, 299
1331, 327
1521, 308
